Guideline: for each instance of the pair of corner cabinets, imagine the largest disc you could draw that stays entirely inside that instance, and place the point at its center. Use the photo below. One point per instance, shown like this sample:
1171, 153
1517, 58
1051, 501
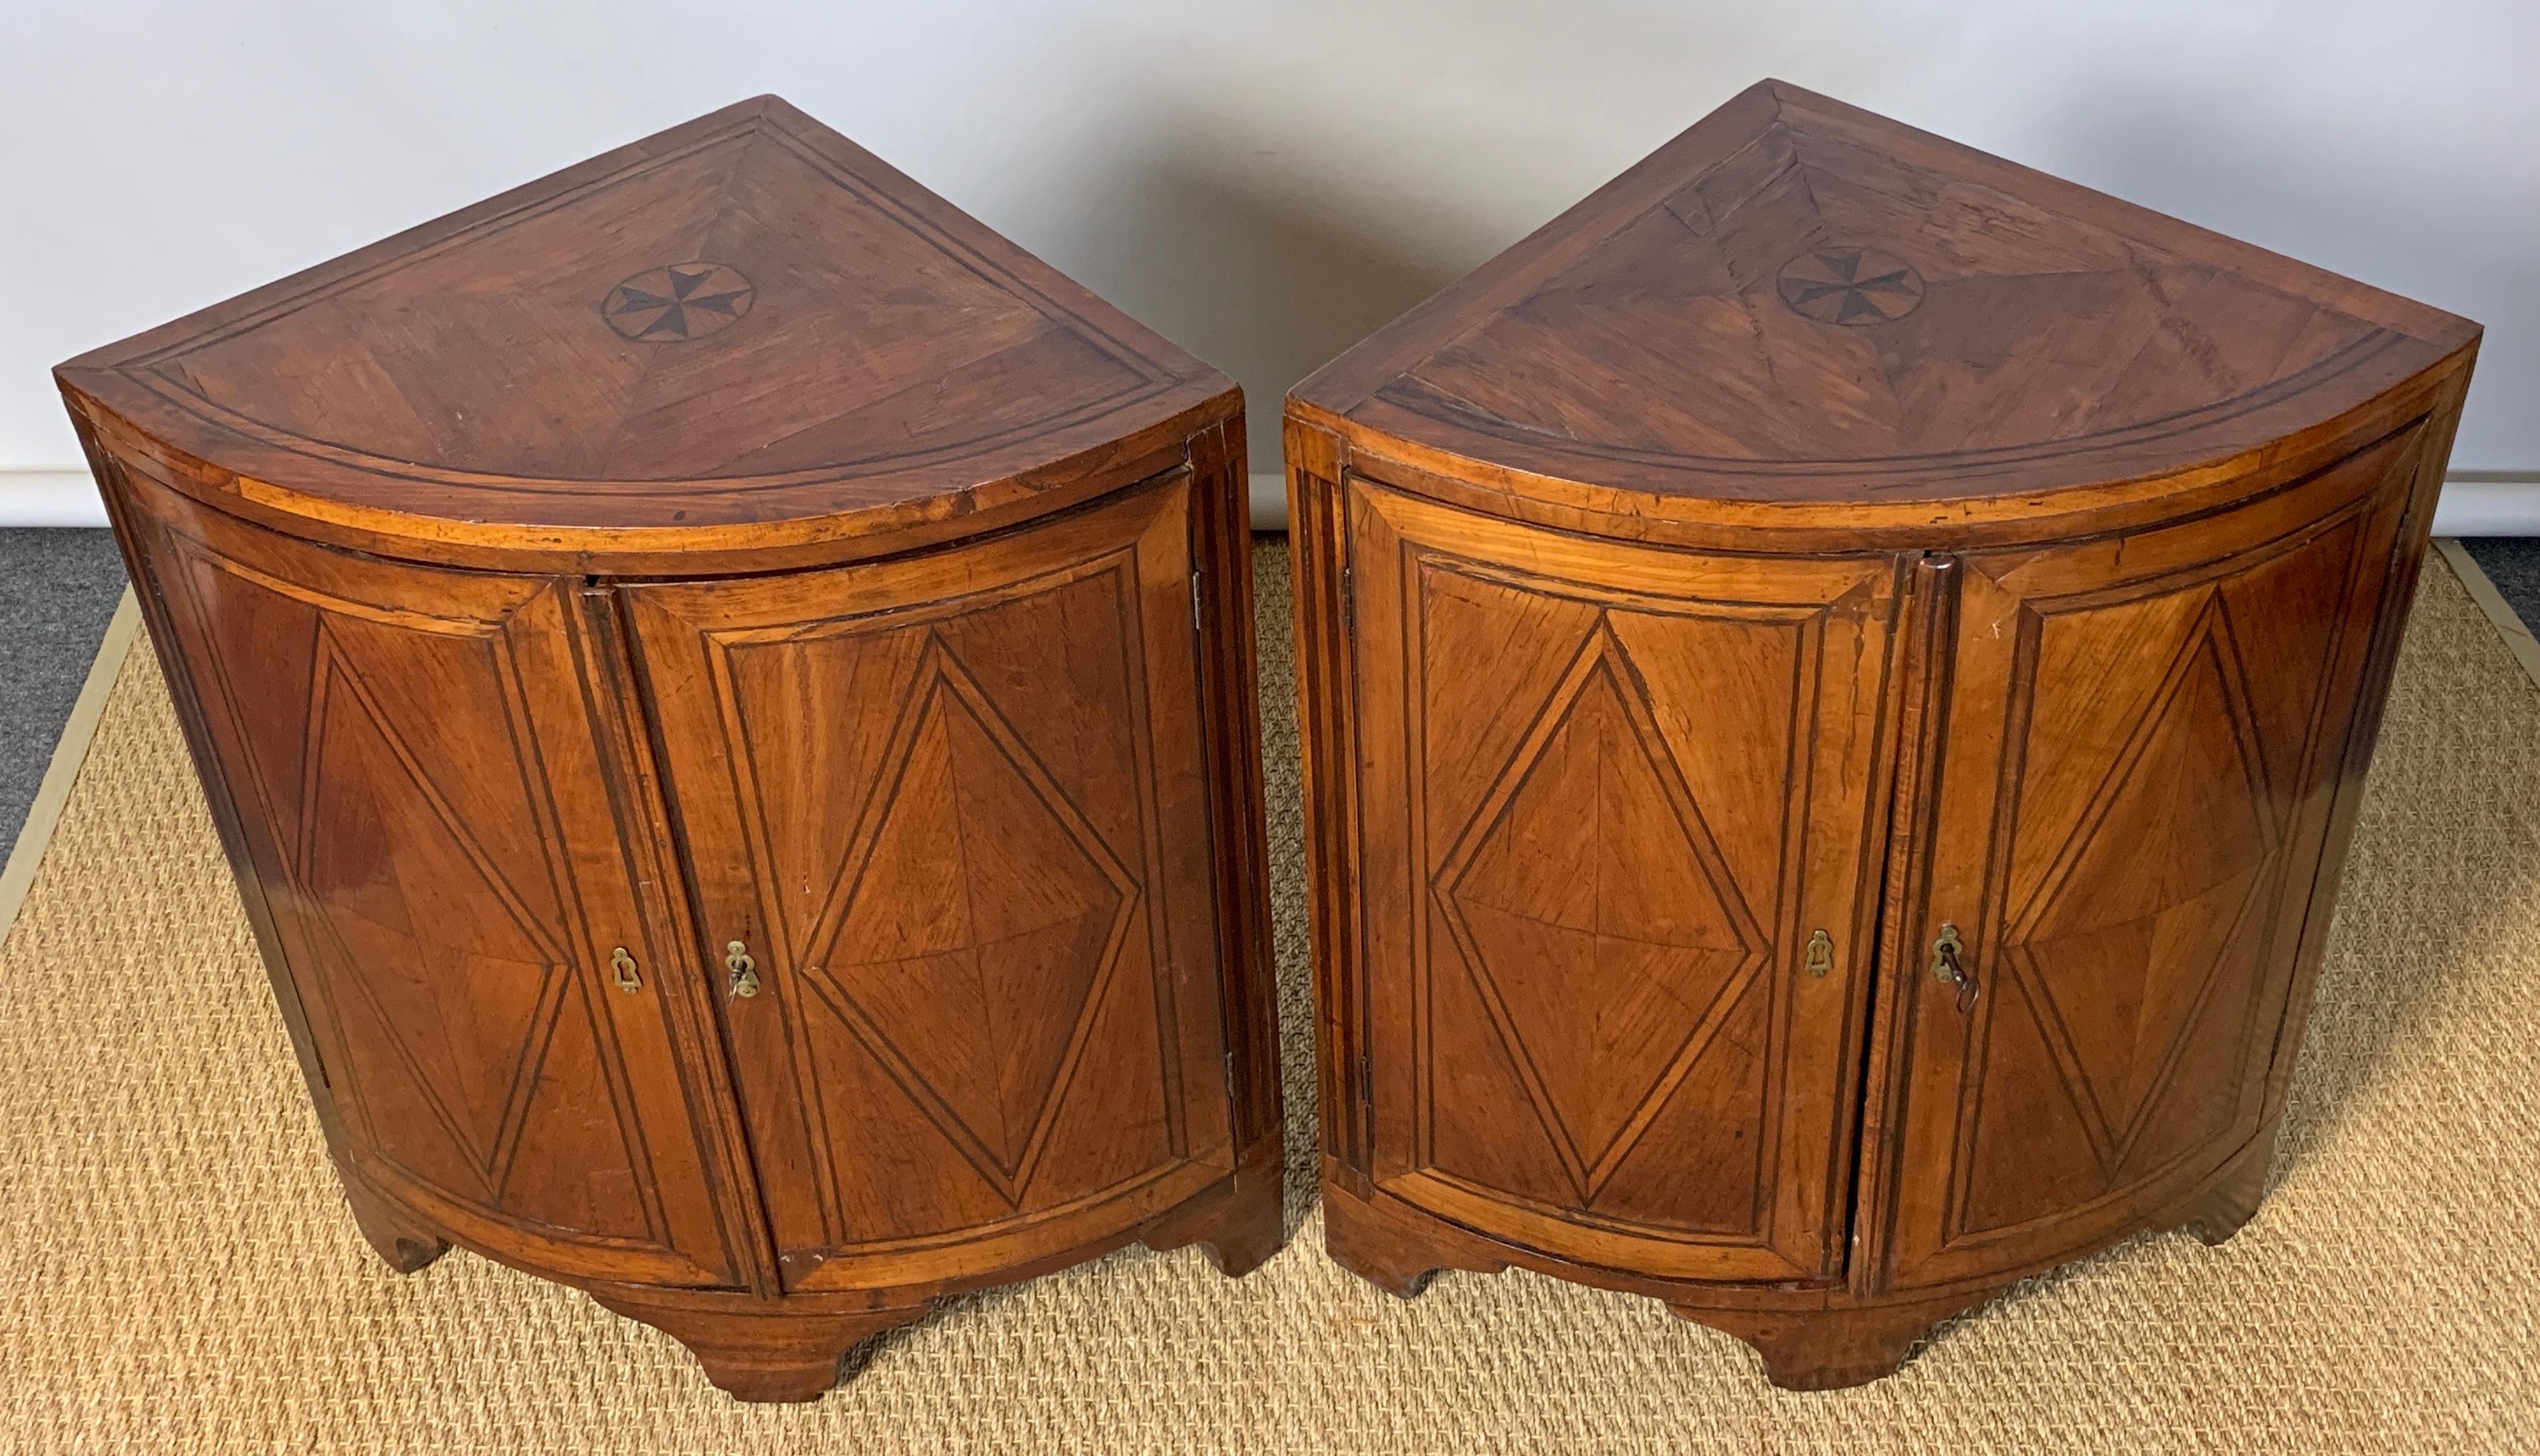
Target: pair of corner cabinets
727, 690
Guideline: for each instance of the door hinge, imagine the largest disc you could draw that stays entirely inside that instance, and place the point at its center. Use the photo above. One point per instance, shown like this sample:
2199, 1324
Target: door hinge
1197, 610
1348, 597
1230, 1076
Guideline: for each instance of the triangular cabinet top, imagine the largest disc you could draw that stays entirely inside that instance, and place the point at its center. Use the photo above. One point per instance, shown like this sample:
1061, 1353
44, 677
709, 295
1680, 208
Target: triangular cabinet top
1799, 314
746, 332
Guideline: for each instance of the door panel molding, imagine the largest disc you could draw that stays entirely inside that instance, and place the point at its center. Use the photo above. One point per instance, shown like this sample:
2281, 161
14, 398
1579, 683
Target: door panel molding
945, 800
2131, 943
423, 798
1649, 771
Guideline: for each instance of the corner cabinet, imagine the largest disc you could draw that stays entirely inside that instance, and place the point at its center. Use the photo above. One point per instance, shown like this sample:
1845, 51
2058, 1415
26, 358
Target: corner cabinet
877, 907
728, 691
1727, 927
1836, 680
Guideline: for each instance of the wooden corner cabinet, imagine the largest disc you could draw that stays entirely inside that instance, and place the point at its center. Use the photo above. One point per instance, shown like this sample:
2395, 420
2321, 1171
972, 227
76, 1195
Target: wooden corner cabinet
726, 688
1837, 677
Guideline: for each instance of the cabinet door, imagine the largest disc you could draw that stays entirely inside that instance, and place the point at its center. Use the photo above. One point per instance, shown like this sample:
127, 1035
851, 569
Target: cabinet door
1609, 795
953, 808
433, 813
2142, 737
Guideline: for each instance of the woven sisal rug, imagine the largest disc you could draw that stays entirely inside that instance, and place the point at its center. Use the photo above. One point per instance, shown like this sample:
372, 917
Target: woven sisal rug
177, 1272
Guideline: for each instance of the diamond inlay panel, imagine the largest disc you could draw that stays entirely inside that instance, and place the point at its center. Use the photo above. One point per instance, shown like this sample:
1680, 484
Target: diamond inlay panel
465, 987
1591, 904
984, 920
2146, 905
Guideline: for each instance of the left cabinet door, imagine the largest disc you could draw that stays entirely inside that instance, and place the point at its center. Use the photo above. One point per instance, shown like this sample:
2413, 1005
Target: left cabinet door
948, 821
432, 809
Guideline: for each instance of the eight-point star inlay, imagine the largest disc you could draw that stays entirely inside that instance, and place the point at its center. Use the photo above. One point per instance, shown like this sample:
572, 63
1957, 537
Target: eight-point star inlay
1855, 286
684, 300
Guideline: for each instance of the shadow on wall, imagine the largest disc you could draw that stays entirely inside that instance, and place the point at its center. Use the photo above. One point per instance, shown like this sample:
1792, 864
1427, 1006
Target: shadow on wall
2262, 177
1266, 279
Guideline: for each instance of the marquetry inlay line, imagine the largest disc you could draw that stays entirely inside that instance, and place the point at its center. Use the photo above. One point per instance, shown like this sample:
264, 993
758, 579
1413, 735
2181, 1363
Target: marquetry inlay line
342, 280
339, 669
2047, 957
1831, 277
1601, 710
490, 1156
650, 307
706, 670
2145, 503
956, 748
330, 963
936, 666
335, 678
2209, 640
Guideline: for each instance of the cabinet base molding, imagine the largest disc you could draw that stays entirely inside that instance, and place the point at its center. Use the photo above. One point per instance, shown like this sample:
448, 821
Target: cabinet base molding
1237, 1224
1809, 1339
795, 1347
2227, 1201
966, 979
404, 1241
1396, 1248
1815, 845
1832, 1348
763, 1352
1400, 1249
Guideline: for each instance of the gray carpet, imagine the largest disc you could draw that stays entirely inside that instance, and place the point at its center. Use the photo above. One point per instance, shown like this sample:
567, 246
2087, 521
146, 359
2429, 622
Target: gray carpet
58, 593
2513, 563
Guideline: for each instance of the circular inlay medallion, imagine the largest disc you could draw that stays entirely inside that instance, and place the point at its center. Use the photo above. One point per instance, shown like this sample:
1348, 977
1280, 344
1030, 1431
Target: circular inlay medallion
684, 300
1855, 286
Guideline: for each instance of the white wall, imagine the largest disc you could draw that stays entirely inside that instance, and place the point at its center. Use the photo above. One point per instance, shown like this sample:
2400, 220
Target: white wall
1263, 183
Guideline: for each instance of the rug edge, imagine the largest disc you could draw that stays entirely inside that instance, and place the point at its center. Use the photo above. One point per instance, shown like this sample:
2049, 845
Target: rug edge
70, 755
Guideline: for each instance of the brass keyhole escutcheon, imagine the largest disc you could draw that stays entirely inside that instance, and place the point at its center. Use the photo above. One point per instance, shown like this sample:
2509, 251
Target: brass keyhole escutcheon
1946, 951
1948, 963
622, 966
744, 971
1820, 953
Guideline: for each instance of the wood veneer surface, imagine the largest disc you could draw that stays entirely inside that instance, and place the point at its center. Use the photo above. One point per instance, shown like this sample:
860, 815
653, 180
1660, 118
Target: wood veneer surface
744, 331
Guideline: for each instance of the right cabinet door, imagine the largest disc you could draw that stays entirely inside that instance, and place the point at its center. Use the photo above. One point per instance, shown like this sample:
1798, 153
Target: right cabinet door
950, 812
2143, 740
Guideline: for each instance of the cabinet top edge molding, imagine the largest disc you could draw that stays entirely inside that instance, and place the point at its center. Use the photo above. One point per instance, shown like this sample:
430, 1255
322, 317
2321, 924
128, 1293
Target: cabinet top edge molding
743, 333
1798, 312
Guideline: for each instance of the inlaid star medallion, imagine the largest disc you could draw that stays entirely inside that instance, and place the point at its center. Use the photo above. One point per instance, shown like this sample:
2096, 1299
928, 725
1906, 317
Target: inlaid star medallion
684, 300
1855, 286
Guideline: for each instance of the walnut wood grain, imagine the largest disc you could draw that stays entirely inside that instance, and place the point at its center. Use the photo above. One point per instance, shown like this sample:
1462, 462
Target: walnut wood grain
426, 809
2017, 358
759, 1354
965, 837
2125, 842
840, 364
724, 557
1616, 883
1821, 538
